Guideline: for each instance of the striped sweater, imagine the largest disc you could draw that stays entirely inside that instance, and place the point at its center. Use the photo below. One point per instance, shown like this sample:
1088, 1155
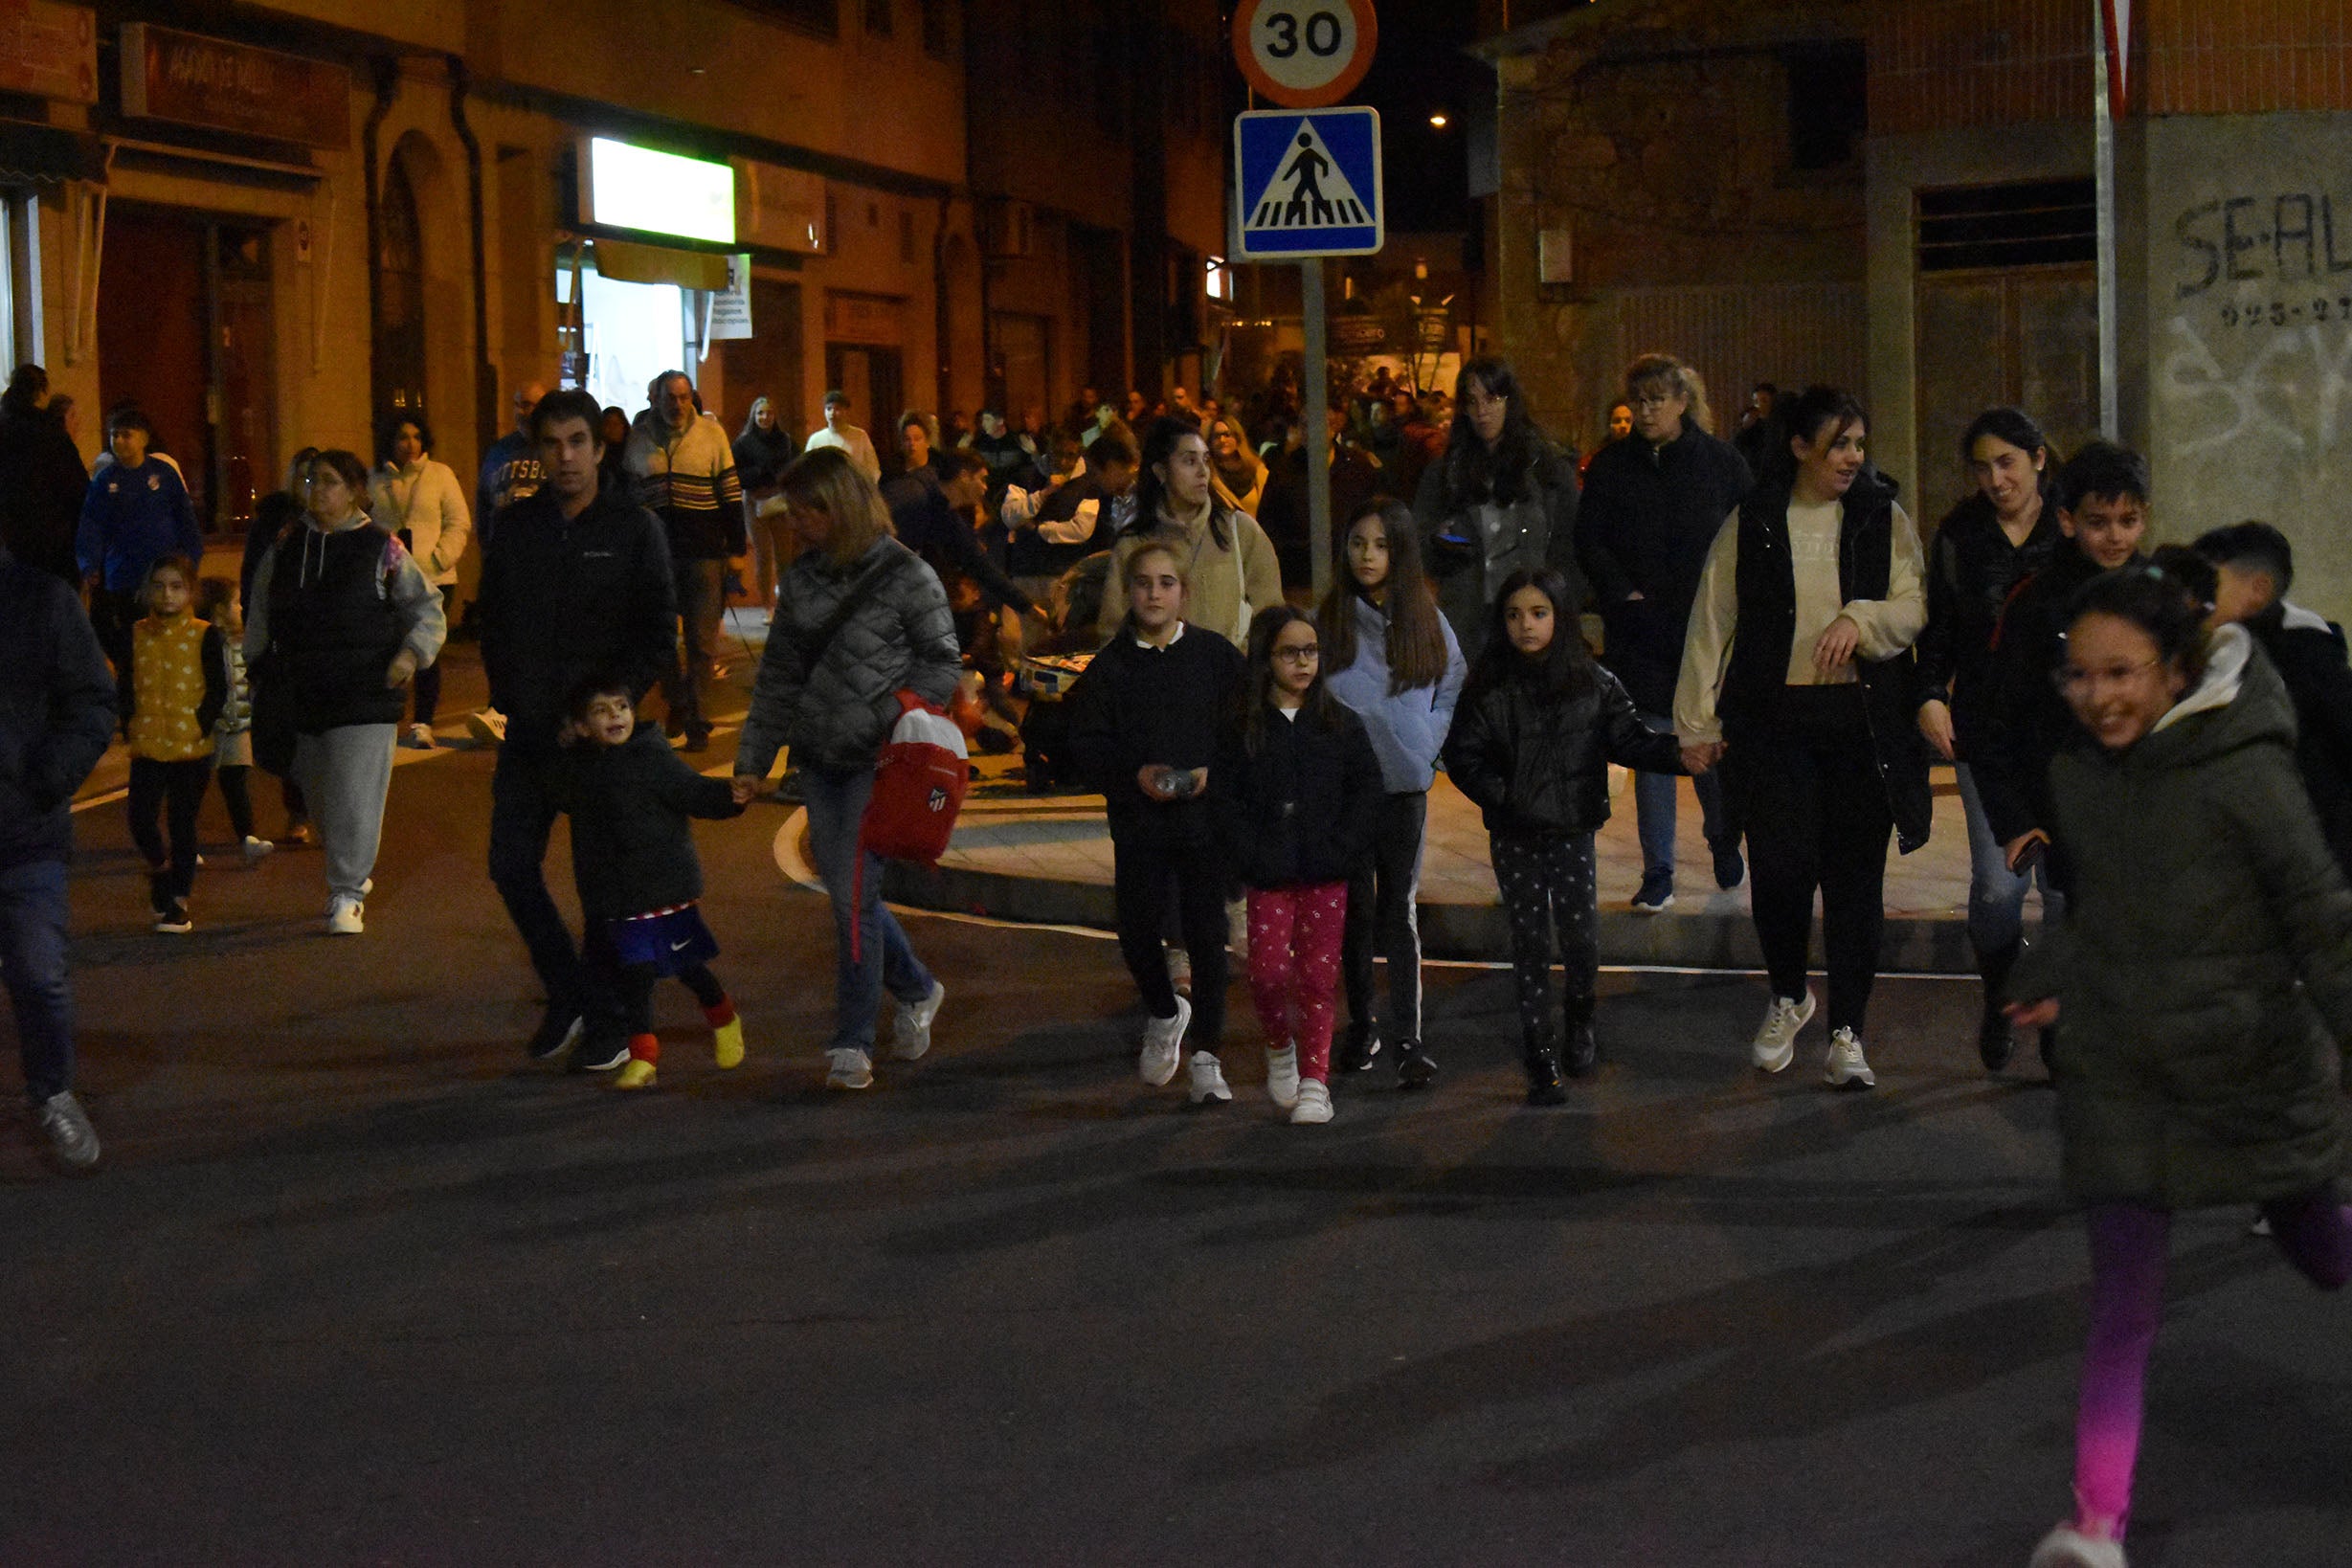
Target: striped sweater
687, 479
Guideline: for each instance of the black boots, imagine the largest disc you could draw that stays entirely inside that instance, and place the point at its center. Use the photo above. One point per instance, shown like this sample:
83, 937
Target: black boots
1994, 1042
1414, 1066
1543, 1084
1581, 1052
1357, 1047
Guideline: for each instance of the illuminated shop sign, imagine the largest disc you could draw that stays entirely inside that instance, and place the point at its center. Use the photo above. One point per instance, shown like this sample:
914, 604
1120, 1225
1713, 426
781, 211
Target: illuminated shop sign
657, 192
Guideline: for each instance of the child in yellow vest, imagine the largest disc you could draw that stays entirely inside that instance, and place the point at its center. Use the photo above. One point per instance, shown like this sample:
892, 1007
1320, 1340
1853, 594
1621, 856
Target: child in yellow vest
176, 689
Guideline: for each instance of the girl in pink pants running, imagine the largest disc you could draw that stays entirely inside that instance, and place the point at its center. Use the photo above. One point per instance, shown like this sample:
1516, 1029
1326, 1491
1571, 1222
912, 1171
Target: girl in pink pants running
2192, 1069
1295, 789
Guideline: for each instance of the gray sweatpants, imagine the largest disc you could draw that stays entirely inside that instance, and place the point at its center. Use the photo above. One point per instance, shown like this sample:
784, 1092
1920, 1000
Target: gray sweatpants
344, 774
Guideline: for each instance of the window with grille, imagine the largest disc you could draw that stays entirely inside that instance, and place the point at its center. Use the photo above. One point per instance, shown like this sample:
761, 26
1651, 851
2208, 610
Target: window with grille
2032, 223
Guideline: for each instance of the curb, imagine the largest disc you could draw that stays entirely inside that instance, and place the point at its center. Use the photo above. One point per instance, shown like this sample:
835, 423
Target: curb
1726, 940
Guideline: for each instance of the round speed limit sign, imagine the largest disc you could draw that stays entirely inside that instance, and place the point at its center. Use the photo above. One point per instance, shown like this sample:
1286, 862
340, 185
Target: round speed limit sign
1305, 53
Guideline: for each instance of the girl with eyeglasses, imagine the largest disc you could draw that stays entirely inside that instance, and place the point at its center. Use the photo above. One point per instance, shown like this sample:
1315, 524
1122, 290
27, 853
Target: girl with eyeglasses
1296, 787
2205, 972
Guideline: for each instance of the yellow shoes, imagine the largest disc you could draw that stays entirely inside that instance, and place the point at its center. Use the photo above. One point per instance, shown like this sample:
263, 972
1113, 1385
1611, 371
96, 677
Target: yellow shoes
639, 1074
726, 1042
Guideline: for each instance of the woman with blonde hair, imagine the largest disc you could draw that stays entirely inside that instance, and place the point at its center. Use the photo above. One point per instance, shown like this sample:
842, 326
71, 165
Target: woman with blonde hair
1240, 476
859, 619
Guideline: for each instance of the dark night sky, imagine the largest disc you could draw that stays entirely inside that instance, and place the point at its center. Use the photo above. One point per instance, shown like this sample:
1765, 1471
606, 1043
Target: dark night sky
1419, 68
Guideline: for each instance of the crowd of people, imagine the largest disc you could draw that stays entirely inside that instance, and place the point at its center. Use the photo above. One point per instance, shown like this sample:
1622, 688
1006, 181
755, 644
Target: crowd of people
2161, 741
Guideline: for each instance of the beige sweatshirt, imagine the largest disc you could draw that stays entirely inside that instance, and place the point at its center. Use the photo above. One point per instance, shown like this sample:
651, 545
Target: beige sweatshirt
1227, 587
1888, 625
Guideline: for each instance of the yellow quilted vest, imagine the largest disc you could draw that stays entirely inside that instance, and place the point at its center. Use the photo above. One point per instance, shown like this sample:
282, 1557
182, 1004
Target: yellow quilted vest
166, 687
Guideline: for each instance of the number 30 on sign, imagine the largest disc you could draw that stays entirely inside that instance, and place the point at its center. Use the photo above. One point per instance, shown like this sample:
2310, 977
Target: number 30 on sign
1305, 53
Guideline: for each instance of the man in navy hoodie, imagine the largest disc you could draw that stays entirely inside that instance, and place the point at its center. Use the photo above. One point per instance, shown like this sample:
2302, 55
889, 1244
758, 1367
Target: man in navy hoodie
577, 578
57, 714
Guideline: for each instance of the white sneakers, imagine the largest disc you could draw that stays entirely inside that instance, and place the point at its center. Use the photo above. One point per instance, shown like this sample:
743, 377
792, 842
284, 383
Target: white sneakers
1209, 1079
1281, 1085
1845, 1068
488, 724
1163, 1045
849, 1068
1315, 1105
1776, 1042
345, 916
2066, 1547
911, 1032
257, 849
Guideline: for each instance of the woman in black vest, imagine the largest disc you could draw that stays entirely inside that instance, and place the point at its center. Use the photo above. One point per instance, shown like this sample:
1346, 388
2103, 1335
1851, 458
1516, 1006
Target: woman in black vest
1502, 498
1798, 671
339, 621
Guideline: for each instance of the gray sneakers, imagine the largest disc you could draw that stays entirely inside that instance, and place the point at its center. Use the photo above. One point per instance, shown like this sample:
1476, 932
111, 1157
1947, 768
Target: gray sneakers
73, 1142
911, 1032
1845, 1067
1776, 1042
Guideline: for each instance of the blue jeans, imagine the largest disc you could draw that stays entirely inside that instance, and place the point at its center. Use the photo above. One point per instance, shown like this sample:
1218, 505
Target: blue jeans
1997, 894
1655, 800
32, 958
836, 805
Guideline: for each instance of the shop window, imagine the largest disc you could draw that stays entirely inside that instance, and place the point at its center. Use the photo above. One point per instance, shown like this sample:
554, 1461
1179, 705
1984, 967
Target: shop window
818, 19
878, 18
1828, 105
2029, 223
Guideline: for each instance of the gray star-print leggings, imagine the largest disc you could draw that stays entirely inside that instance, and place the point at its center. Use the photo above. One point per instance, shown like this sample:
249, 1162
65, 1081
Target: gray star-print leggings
1548, 889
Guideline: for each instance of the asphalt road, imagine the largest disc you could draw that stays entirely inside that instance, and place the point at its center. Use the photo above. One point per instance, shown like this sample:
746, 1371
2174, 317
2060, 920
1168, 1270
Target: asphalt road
359, 1286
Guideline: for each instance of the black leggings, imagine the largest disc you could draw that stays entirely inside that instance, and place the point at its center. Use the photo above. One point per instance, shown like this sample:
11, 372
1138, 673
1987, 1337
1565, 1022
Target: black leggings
1548, 895
1817, 818
236, 793
1142, 875
1381, 919
174, 791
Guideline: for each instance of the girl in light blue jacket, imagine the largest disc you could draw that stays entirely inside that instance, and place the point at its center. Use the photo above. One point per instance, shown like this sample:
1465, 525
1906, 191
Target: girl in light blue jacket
1389, 656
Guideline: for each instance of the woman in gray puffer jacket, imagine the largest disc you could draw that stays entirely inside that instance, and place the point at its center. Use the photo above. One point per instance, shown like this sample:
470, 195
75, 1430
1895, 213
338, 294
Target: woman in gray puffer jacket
2205, 969
859, 619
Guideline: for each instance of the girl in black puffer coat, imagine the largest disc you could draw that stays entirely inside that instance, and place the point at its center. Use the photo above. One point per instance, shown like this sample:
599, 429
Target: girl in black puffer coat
1537, 727
1295, 789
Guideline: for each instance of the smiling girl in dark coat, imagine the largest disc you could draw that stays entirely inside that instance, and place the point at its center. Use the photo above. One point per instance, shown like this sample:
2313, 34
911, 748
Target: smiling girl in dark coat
1537, 727
1295, 791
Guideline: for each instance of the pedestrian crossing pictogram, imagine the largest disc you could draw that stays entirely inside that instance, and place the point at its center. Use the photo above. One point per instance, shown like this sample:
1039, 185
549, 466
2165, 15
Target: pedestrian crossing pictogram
1312, 181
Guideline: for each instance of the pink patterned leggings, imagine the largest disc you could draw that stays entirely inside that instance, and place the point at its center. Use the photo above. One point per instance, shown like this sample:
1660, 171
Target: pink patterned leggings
1294, 938
2128, 1248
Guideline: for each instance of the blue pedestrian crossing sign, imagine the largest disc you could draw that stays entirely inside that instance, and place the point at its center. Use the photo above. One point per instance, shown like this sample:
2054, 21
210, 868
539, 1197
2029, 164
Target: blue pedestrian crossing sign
1308, 182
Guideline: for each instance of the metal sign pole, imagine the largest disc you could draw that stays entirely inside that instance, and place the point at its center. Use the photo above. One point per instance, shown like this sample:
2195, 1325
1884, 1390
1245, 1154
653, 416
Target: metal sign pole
2103, 130
1315, 392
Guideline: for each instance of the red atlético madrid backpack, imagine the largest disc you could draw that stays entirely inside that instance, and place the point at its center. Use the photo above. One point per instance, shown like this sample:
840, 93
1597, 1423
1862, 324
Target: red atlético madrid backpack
919, 786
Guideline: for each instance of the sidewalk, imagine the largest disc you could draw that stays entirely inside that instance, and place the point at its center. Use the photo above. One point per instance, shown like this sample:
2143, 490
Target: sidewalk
1046, 859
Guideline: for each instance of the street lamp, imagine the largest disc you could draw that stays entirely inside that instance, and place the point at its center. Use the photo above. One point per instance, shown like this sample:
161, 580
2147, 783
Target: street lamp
1438, 120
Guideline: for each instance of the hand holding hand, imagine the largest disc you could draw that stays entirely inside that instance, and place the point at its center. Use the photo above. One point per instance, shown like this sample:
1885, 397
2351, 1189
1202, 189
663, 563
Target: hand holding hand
1701, 757
2034, 1014
1835, 649
1936, 724
401, 670
745, 788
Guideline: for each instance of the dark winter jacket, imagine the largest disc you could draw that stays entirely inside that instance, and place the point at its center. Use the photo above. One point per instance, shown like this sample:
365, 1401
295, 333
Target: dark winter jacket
929, 524
1972, 568
2309, 653
761, 457
2194, 1069
563, 599
273, 515
631, 807
1031, 554
1759, 667
1301, 808
1532, 762
130, 519
1283, 504
2027, 721
332, 609
1538, 528
42, 486
57, 711
1136, 707
834, 704
1648, 518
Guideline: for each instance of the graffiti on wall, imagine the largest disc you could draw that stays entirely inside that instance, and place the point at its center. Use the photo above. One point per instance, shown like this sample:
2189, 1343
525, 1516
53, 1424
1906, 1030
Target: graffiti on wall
2261, 349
